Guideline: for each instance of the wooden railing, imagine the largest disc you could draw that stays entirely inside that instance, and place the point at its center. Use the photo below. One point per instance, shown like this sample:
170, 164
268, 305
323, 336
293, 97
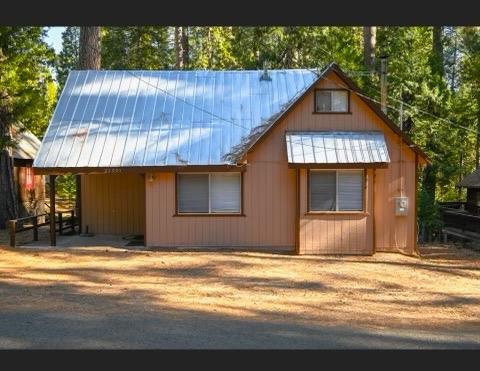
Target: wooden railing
461, 220
453, 204
18, 225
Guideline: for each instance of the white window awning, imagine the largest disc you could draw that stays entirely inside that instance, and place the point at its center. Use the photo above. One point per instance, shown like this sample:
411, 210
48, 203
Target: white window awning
333, 148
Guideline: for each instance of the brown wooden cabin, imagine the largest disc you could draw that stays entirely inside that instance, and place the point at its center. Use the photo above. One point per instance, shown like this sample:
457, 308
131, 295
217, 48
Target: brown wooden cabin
283, 158
30, 187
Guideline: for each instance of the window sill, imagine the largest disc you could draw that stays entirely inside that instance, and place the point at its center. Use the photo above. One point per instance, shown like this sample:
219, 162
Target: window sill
365, 213
331, 113
207, 214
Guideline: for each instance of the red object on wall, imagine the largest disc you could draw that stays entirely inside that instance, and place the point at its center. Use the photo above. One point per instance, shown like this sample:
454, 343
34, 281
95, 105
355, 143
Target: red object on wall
29, 179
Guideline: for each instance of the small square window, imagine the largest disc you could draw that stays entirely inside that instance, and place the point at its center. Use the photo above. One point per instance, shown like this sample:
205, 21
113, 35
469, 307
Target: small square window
331, 101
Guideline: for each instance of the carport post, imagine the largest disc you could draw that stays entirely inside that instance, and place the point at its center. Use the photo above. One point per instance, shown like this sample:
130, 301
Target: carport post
53, 237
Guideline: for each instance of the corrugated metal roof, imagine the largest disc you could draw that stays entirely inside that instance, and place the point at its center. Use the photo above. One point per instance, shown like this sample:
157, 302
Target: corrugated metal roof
162, 118
26, 146
336, 147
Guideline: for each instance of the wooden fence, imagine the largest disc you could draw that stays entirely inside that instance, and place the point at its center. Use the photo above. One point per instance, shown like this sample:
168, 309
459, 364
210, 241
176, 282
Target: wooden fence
34, 223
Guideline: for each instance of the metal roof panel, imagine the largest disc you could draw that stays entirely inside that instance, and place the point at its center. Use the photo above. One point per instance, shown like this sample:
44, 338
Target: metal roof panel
336, 147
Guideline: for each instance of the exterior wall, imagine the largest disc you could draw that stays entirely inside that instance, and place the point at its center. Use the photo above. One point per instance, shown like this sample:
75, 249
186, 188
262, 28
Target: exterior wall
268, 205
113, 203
270, 197
336, 232
473, 200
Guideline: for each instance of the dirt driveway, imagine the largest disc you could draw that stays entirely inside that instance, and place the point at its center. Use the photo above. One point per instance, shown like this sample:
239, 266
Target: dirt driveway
113, 298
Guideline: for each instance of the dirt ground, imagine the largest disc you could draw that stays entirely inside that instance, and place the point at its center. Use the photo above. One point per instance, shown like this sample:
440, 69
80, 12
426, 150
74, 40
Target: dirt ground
117, 298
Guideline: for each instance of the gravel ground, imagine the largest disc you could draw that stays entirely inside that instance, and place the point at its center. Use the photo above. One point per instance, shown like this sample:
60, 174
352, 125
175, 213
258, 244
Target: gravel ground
115, 298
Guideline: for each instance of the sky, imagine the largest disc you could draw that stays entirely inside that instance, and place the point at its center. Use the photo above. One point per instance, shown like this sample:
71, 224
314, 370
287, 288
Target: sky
54, 38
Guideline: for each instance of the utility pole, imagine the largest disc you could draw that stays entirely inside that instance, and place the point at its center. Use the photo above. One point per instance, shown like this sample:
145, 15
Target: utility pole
383, 83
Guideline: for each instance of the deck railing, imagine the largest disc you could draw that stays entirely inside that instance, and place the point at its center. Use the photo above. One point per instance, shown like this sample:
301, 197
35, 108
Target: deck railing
19, 225
462, 220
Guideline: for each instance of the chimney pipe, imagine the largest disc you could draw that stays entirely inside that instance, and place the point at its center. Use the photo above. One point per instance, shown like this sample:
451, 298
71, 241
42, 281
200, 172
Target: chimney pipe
265, 76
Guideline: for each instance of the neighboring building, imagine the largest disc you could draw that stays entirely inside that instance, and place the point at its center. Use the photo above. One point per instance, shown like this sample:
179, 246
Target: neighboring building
30, 188
472, 184
281, 158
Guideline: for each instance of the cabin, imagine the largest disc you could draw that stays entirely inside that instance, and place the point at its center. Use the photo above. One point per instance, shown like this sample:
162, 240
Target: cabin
472, 184
293, 159
461, 219
30, 187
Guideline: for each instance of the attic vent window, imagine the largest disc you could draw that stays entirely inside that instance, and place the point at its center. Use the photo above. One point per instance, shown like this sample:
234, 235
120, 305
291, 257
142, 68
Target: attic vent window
332, 101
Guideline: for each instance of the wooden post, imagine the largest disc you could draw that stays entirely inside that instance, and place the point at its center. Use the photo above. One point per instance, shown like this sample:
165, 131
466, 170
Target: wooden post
60, 223
72, 220
78, 202
12, 226
53, 237
35, 228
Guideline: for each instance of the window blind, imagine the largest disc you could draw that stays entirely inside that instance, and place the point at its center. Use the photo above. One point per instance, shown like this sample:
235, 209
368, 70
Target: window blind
193, 193
322, 190
225, 193
350, 190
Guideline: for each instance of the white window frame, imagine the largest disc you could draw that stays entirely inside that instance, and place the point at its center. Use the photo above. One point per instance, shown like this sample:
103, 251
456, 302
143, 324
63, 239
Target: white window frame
364, 174
210, 212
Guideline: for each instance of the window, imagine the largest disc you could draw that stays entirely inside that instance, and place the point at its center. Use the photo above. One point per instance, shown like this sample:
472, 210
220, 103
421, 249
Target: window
209, 193
336, 190
332, 101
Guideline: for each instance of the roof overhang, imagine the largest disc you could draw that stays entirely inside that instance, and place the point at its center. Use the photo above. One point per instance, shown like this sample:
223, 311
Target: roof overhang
136, 169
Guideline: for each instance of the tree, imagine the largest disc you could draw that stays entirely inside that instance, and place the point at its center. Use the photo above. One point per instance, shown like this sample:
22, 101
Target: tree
178, 47
68, 57
8, 201
145, 47
185, 47
369, 41
27, 95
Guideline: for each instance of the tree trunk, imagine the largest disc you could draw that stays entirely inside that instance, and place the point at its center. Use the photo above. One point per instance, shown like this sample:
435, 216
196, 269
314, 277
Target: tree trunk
89, 59
185, 48
437, 51
8, 199
289, 52
369, 42
178, 48
89, 56
477, 141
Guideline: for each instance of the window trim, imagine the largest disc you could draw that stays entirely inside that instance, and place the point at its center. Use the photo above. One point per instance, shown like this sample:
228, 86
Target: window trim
209, 214
347, 112
356, 212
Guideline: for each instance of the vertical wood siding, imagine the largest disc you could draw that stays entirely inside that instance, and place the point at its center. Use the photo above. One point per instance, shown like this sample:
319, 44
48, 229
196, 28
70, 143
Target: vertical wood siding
270, 197
113, 203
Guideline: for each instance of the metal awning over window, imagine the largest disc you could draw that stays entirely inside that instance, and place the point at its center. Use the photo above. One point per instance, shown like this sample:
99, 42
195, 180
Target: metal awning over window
330, 149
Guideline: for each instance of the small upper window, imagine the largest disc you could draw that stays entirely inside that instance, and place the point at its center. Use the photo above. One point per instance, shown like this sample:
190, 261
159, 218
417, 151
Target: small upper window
331, 101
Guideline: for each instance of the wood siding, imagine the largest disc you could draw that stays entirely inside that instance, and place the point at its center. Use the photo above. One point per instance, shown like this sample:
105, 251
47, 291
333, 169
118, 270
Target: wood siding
270, 196
113, 203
